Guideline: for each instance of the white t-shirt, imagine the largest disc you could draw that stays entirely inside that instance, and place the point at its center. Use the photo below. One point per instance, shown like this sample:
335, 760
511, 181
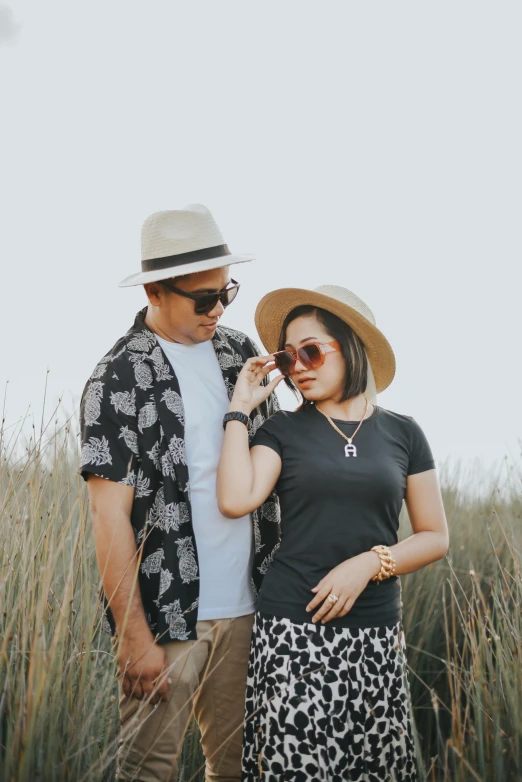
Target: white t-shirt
225, 546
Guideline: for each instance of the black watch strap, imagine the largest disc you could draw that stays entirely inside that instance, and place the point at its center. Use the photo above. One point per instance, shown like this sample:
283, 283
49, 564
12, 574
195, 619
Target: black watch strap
235, 416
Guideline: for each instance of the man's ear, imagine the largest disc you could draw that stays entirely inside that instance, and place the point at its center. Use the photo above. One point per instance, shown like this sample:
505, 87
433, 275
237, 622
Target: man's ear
154, 292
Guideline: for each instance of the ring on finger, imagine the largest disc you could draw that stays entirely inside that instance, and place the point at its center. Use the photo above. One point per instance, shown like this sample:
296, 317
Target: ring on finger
332, 598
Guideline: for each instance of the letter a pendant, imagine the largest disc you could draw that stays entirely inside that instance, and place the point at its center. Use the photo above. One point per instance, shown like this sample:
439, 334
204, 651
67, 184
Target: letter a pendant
350, 450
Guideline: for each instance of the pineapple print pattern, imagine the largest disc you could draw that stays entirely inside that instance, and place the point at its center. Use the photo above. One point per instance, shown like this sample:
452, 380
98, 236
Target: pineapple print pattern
142, 371
165, 580
271, 512
124, 401
167, 465
161, 367
254, 426
227, 360
130, 439
177, 450
148, 415
174, 403
188, 568
133, 432
145, 340
237, 336
93, 403
154, 455
96, 451
100, 369
268, 560
129, 480
257, 533
176, 621
142, 486
153, 563
168, 516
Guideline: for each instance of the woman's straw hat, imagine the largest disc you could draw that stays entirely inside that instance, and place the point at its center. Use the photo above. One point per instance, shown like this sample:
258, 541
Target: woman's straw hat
275, 306
180, 242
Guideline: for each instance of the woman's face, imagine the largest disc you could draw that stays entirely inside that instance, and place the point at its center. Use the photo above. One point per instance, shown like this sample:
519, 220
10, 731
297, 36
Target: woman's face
325, 382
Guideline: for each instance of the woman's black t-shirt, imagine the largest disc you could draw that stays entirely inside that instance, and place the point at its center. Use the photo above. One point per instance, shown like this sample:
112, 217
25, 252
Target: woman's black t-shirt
334, 507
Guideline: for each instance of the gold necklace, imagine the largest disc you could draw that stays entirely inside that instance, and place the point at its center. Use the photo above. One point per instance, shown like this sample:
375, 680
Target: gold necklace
349, 450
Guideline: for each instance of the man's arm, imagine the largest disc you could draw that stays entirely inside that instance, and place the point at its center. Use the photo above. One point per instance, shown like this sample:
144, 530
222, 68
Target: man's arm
142, 662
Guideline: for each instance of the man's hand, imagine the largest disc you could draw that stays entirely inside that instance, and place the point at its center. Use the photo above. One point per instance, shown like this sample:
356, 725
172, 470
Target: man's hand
143, 667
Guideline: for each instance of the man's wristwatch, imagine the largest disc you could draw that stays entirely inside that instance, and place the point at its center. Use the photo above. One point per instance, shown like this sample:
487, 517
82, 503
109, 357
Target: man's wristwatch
235, 416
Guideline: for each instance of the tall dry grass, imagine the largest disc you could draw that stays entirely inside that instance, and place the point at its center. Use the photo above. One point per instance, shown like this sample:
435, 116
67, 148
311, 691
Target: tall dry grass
58, 710
463, 622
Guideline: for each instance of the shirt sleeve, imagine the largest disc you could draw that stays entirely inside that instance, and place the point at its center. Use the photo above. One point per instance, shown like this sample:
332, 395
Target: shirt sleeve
109, 435
421, 457
269, 436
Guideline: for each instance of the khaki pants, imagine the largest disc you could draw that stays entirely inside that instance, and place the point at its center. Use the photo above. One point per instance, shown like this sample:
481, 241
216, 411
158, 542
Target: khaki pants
209, 682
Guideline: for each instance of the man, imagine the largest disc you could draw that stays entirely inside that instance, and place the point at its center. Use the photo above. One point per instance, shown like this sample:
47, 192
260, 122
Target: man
179, 579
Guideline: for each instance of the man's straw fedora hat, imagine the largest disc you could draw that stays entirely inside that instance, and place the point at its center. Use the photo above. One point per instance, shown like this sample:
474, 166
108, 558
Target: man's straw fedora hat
275, 306
180, 242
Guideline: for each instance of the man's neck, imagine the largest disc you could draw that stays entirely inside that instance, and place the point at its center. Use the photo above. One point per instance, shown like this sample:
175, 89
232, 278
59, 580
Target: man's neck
155, 327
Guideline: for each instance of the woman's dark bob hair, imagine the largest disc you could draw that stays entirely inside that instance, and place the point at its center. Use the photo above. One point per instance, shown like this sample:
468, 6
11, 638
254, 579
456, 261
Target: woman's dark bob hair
352, 350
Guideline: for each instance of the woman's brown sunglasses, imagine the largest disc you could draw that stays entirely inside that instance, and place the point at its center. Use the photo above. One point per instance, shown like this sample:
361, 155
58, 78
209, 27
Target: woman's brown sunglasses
311, 355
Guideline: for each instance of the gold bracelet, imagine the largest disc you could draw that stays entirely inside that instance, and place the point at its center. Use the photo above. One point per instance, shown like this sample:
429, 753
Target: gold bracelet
387, 563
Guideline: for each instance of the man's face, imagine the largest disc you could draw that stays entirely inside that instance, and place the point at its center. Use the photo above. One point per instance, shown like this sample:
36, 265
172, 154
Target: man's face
175, 315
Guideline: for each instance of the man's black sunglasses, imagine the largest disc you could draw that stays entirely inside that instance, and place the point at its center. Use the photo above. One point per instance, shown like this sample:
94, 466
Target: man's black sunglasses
205, 302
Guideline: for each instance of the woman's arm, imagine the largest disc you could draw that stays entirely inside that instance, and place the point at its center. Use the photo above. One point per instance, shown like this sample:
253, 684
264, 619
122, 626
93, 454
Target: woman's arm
246, 477
428, 543
430, 539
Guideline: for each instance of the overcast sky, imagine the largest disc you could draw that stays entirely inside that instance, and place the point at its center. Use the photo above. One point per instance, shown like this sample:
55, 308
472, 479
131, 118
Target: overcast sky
371, 145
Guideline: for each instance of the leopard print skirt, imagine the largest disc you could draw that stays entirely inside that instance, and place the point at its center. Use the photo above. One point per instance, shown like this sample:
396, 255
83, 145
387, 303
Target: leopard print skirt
327, 703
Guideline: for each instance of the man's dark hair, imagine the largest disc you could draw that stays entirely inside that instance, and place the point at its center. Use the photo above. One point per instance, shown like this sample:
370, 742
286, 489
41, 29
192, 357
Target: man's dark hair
352, 350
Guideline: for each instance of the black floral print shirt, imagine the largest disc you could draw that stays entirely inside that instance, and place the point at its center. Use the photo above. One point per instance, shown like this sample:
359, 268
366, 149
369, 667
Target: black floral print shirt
132, 431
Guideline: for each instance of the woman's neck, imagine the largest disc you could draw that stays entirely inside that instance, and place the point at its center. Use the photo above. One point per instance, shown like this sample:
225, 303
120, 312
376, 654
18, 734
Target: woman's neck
349, 410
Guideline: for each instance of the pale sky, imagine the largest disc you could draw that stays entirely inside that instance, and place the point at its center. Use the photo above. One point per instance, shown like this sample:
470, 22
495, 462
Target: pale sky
375, 146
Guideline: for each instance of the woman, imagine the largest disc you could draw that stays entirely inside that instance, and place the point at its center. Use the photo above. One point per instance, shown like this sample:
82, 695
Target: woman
327, 694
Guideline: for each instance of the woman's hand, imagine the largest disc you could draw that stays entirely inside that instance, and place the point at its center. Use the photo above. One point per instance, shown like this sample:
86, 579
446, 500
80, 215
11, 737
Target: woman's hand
248, 392
346, 581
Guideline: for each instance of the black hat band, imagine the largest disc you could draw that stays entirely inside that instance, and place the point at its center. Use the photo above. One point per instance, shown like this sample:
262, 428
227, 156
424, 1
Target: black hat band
170, 261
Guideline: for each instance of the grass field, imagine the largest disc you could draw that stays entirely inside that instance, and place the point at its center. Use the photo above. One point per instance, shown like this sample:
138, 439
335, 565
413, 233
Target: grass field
58, 710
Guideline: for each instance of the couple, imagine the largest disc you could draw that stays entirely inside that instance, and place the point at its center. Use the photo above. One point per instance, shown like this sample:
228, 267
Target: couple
193, 471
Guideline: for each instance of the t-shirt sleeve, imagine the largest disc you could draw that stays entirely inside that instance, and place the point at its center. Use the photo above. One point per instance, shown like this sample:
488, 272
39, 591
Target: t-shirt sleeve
109, 435
421, 457
269, 435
